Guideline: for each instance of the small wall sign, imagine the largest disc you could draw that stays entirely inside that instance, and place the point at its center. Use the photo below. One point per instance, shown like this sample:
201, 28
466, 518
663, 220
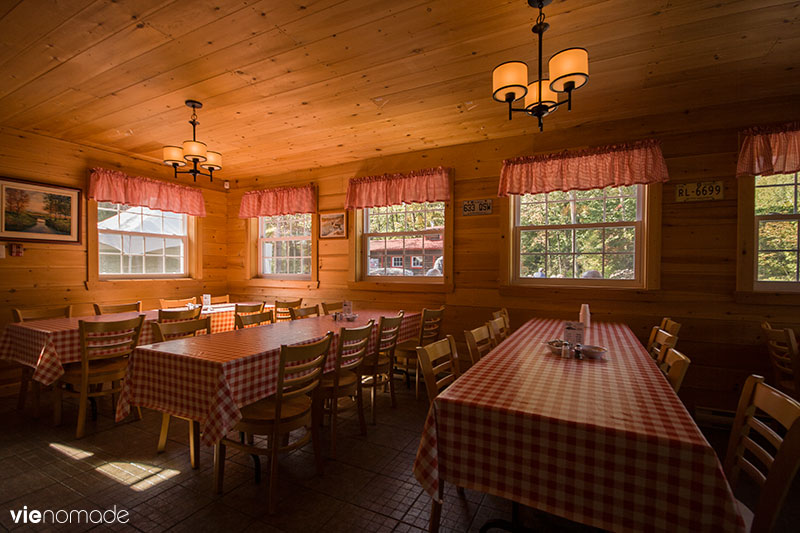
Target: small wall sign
699, 191
476, 207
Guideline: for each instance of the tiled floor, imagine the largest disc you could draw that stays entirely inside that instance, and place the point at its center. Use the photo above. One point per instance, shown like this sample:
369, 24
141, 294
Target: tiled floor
368, 487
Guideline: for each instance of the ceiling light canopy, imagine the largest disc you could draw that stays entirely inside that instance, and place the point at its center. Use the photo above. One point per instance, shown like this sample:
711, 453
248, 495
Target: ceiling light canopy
568, 70
193, 151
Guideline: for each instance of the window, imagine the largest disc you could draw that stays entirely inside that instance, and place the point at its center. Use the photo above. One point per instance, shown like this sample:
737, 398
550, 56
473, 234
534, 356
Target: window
585, 235
140, 242
776, 231
412, 235
284, 246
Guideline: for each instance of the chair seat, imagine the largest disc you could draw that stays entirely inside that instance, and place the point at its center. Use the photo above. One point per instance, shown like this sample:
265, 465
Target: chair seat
264, 410
346, 379
368, 366
747, 515
409, 346
100, 367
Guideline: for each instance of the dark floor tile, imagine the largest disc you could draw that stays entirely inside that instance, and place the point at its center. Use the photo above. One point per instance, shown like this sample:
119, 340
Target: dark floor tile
389, 496
213, 518
354, 519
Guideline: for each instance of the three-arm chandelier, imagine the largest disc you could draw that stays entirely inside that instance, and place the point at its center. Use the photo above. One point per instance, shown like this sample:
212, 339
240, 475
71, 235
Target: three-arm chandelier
193, 151
568, 70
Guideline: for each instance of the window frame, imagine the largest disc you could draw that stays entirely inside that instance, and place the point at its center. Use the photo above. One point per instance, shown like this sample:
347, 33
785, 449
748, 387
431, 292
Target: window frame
144, 276
261, 240
647, 248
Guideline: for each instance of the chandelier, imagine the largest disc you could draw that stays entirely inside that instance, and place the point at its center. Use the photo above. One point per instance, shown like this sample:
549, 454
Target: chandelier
568, 70
193, 151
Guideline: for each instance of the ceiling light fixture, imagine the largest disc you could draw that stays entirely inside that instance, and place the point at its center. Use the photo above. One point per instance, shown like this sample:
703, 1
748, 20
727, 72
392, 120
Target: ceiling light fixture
193, 151
568, 69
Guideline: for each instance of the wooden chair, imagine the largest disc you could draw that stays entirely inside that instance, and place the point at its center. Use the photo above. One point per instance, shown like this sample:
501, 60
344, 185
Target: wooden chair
282, 313
171, 315
224, 299
329, 308
674, 367
100, 309
253, 319
503, 313
169, 304
497, 330
749, 450
668, 325
479, 342
179, 330
24, 315
406, 352
298, 313
105, 348
662, 342
439, 362
376, 370
289, 409
344, 381
784, 357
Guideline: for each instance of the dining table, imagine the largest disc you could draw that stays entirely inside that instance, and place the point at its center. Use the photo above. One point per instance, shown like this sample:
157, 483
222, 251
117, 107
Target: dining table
46, 345
603, 442
208, 379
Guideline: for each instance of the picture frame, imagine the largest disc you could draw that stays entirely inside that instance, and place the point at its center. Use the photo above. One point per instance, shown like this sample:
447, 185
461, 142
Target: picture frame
39, 212
333, 225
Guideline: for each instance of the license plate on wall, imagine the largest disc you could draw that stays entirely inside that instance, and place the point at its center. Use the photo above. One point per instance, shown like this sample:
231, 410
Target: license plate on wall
699, 191
476, 207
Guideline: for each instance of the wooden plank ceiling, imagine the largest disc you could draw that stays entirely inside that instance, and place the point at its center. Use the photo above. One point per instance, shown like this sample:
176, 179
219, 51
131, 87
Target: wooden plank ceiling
297, 84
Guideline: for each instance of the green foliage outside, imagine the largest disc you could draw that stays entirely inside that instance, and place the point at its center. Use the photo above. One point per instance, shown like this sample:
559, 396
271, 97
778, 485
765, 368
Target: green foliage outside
776, 199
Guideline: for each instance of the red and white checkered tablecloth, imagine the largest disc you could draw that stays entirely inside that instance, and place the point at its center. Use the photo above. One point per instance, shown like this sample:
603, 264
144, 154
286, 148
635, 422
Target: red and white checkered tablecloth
46, 345
602, 442
209, 378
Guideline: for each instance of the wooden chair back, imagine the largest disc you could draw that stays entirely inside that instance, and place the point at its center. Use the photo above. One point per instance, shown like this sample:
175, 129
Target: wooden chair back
224, 299
439, 363
430, 327
497, 330
479, 342
784, 358
282, 313
253, 319
100, 309
668, 325
169, 304
388, 333
351, 348
164, 331
171, 315
108, 340
329, 307
750, 444
300, 370
245, 309
298, 313
23, 315
503, 313
674, 367
662, 342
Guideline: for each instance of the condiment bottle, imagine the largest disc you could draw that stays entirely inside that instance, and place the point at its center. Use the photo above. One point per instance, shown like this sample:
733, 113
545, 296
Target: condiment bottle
585, 316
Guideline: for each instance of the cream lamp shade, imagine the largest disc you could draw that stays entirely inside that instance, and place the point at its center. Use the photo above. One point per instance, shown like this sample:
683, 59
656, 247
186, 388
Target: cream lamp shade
549, 98
173, 155
213, 161
194, 151
510, 77
569, 65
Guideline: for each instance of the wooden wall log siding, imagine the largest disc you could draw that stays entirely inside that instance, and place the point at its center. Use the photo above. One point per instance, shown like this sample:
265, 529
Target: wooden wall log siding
56, 274
698, 253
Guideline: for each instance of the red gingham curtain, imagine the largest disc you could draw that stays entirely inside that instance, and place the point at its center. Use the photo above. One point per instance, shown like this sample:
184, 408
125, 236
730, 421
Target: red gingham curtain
279, 201
770, 150
595, 168
107, 185
429, 185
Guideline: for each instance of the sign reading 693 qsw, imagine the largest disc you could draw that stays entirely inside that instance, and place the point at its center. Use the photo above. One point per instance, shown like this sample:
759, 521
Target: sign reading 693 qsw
699, 191
476, 207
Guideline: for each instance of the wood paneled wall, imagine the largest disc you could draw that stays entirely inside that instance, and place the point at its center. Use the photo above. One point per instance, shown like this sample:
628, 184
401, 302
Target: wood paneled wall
56, 274
698, 252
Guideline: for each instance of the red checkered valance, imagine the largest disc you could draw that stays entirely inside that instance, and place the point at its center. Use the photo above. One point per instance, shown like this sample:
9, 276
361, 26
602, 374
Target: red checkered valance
768, 150
279, 201
107, 185
428, 185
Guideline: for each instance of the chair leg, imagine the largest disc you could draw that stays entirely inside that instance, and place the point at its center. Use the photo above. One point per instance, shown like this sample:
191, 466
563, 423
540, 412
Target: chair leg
57, 404
334, 416
138, 413
408, 373
373, 395
219, 466
416, 378
360, 406
27, 373
114, 385
316, 441
391, 391
83, 399
162, 437
273, 474
194, 443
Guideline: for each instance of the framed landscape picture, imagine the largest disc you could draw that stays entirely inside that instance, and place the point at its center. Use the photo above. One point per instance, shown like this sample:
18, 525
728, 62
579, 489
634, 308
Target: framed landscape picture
37, 212
333, 225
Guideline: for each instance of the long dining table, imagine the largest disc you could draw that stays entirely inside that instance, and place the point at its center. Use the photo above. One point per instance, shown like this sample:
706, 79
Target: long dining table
46, 345
606, 442
208, 378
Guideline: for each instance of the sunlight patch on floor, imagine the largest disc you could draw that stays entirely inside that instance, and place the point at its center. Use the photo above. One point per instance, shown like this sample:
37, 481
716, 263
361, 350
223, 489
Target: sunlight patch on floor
137, 476
70, 451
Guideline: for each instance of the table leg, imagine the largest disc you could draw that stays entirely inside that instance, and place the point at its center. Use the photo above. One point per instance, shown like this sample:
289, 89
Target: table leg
194, 443
436, 510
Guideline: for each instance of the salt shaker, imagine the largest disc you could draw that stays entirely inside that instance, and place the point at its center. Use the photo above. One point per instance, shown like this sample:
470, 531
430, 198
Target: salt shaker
565, 350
